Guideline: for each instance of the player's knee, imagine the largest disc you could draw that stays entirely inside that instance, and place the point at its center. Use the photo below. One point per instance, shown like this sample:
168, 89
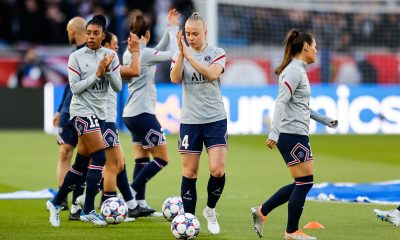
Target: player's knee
81, 163
190, 173
66, 151
160, 152
217, 172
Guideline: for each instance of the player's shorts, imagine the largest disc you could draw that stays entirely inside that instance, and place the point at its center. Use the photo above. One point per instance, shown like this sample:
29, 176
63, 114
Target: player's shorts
84, 125
192, 136
146, 130
66, 131
110, 135
294, 148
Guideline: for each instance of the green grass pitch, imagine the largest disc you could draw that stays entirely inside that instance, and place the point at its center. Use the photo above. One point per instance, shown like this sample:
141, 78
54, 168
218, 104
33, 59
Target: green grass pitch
28, 161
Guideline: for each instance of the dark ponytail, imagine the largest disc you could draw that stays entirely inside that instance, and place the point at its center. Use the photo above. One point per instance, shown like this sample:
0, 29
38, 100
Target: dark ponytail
294, 43
107, 38
98, 20
140, 26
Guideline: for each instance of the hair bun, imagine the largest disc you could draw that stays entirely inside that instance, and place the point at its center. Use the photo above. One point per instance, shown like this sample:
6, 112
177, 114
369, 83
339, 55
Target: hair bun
196, 14
295, 32
100, 18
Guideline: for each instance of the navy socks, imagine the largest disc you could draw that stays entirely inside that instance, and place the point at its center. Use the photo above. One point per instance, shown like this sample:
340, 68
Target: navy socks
215, 187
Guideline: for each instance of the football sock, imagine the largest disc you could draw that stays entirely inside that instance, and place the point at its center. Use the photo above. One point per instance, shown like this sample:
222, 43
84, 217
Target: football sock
107, 195
296, 201
123, 185
147, 173
279, 198
189, 194
93, 178
72, 177
80, 187
142, 203
215, 187
140, 163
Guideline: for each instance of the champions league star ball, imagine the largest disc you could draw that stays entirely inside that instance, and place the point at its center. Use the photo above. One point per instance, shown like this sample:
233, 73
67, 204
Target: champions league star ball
114, 210
172, 207
185, 226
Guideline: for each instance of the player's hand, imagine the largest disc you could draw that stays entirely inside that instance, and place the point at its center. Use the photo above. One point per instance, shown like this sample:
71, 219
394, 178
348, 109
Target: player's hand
173, 17
109, 60
179, 41
270, 143
333, 124
102, 67
185, 49
133, 43
56, 119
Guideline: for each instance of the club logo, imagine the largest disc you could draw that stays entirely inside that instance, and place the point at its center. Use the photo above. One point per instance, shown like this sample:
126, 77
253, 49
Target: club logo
207, 58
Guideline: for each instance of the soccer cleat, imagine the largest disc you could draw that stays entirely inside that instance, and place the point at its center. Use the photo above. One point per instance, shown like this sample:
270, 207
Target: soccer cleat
80, 201
258, 220
140, 212
93, 217
129, 219
157, 214
298, 235
75, 216
211, 216
54, 211
391, 216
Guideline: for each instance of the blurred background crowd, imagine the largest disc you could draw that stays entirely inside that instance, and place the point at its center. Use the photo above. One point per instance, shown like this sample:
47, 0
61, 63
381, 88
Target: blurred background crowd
355, 47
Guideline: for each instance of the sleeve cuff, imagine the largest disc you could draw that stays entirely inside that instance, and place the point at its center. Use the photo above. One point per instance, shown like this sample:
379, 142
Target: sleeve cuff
273, 136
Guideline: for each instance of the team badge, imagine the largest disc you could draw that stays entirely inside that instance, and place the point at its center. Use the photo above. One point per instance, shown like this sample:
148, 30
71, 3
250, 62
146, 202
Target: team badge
207, 58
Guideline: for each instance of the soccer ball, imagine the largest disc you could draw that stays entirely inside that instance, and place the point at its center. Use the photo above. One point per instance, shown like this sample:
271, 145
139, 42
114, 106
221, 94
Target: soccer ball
114, 210
172, 207
185, 226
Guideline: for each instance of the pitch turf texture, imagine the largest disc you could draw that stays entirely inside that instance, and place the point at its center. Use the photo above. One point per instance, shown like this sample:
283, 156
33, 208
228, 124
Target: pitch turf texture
28, 161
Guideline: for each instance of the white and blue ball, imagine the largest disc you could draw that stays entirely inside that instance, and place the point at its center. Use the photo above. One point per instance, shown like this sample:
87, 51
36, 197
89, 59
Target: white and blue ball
185, 226
114, 210
172, 207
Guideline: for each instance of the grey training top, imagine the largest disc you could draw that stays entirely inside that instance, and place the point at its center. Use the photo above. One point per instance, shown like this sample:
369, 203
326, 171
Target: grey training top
90, 93
292, 108
201, 98
142, 89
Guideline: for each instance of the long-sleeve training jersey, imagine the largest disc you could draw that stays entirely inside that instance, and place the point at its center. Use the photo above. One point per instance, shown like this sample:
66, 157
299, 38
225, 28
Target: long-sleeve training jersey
90, 93
142, 89
292, 108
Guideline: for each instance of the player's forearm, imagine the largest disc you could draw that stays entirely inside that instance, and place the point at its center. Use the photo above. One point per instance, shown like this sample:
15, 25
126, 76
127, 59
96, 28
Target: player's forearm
278, 116
115, 80
204, 70
78, 86
177, 70
320, 118
133, 70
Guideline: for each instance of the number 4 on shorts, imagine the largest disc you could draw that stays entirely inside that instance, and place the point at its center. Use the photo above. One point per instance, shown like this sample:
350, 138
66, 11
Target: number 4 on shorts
185, 141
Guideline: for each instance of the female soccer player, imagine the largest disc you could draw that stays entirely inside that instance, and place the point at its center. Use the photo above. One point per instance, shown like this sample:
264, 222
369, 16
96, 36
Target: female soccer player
91, 71
139, 112
203, 117
114, 173
290, 126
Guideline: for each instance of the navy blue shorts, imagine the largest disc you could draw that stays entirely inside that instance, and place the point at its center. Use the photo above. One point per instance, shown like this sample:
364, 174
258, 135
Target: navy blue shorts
192, 136
66, 131
89, 124
110, 135
294, 148
145, 130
